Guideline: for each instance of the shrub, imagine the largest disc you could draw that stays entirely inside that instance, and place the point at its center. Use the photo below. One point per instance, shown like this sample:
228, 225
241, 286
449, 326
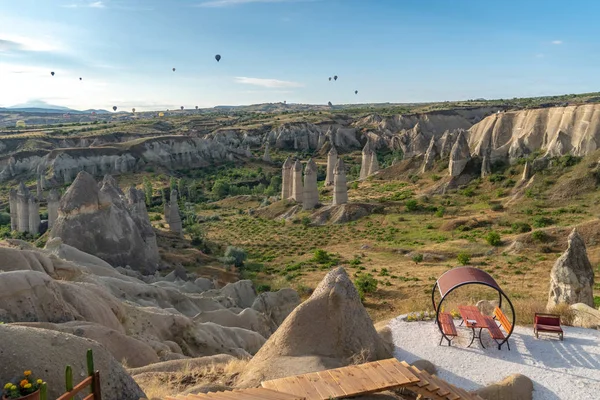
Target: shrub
263, 288
4, 218
412, 205
496, 207
520, 227
463, 258
496, 178
354, 185
417, 258
539, 236
440, 212
435, 177
493, 239
540, 221
468, 192
365, 284
237, 254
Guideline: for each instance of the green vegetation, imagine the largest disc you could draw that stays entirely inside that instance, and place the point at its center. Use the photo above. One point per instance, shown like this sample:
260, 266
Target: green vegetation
493, 239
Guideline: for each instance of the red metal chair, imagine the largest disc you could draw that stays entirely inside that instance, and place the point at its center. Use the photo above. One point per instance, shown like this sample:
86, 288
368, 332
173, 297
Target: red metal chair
548, 323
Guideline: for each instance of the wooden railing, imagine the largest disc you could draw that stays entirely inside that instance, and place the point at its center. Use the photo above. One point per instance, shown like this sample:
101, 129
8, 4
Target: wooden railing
92, 381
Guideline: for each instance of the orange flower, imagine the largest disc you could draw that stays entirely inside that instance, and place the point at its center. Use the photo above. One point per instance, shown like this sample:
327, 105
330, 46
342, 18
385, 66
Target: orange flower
24, 382
27, 373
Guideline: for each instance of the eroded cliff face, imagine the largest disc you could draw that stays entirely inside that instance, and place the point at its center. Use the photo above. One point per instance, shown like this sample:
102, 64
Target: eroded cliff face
556, 131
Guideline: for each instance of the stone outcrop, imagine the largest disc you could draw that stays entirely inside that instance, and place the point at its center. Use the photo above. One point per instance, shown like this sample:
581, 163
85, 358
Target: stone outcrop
22, 208
585, 316
447, 141
34, 216
557, 130
459, 156
297, 189
47, 352
136, 204
526, 172
513, 387
373, 163
340, 187
311, 192
53, 204
572, 276
332, 157
325, 331
286, 179
365, 165
486, 166
97, 221
430, 156
267, 156
13, 204
174, 219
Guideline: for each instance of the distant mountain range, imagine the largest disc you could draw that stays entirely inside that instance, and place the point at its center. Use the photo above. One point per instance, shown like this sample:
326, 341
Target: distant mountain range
39, 106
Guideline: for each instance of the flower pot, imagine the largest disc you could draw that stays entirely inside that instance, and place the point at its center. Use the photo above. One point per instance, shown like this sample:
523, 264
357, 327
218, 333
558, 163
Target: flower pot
33, 396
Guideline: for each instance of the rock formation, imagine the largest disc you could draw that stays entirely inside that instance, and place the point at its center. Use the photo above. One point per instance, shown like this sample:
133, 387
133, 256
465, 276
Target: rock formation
174, 219
585, 316
373, 163
459, 156
513, 387
38, 187
13, 204
136, 204
331, 161
267, 156
447, 141
430, 156
47, 352
23, 208
486, 166
34, 216
325, 331
526, 172
572, 276
311, 192
97, 221
340, 188
286, 179
365, 164
297, 189
53, 204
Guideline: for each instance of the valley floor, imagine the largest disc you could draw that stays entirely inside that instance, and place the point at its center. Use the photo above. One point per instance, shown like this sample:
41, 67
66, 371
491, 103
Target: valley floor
559, 370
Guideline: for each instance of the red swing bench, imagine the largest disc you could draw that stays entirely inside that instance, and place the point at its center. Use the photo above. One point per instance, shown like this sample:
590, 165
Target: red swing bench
547, 323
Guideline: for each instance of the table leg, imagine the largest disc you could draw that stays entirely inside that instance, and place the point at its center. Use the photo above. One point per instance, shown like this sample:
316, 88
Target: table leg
473, 338
480, 329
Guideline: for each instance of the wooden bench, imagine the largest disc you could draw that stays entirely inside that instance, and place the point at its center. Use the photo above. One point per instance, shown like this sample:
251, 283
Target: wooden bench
549, 323
494, 329
448, 328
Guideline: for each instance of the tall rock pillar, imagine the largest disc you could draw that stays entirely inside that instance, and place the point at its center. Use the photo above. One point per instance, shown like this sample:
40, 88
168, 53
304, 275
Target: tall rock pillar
286, 179
174, 219
430, 156
459, 156
14, 216
373, 163
34, 216
366, 160
23, 208
297, 189
53, 202
267, 156
340, 190
332, 158
311, 192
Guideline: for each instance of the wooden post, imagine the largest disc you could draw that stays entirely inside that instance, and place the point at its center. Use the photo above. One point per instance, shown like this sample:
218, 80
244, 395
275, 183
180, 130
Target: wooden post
90, 368
69, 379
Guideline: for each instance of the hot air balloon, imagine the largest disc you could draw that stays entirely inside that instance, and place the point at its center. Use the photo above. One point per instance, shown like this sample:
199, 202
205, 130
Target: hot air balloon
114, 108
161, 114
173, 69
329, 78
80, 79
218, 57
52, 73
196, 107
181, 108
356, 92
329, 104
335, 78
133, 110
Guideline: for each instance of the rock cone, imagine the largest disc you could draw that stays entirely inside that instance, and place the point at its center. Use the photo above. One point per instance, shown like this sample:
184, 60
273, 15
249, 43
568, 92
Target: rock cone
325, 331
572, 276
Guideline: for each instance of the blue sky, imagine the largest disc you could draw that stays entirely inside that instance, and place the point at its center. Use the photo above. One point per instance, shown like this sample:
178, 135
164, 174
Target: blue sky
275, 50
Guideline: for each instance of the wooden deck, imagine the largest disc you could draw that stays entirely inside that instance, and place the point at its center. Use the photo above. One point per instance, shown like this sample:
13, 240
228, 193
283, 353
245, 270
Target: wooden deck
243, 394
346, 382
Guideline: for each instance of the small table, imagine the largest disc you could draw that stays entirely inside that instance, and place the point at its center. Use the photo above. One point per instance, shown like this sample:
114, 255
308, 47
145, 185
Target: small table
473, 319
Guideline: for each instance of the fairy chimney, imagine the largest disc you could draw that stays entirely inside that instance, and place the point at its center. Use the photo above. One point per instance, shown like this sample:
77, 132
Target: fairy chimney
340, 191
311, 192
286, 179
53, 202
297, 189
332, 157
365, 164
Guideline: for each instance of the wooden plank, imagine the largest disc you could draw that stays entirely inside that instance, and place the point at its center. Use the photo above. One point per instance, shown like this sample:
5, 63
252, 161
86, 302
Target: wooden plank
405, 371
325, 390
361, 378
329, 381
390, 367
310, 391
346, 385
77, 389
271, 394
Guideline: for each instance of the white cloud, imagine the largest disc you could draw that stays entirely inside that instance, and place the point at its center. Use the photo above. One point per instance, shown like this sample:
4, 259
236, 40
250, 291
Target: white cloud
94, 4
268, 83
226, 3
25, 43
557, 42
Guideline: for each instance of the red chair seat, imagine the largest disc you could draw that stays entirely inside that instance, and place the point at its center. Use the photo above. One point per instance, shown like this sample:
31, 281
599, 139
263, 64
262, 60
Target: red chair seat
548, 328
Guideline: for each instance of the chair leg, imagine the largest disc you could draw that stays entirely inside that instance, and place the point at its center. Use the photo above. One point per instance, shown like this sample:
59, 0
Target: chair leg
442, 338
561, 337
508, 345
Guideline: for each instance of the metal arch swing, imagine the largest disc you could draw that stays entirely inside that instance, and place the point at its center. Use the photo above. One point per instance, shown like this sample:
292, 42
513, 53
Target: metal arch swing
462, 276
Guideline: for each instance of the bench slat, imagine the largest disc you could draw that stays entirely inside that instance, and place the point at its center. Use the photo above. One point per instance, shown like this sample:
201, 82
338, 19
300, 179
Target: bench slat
447, 323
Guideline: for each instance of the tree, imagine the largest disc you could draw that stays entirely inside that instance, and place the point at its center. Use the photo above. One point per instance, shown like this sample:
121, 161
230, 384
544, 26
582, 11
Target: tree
417, 258
181, 188
220, 189
236, 254
493, 239
148, 191
365, 283
463, 258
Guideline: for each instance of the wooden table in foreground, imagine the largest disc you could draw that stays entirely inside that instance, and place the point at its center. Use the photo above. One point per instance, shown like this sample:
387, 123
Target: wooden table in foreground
473, 319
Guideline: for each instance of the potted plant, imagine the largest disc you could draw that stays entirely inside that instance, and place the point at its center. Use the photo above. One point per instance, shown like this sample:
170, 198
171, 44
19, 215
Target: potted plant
26, 388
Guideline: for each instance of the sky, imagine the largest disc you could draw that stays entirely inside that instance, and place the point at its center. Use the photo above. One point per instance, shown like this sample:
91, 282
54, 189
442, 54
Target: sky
275, 50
